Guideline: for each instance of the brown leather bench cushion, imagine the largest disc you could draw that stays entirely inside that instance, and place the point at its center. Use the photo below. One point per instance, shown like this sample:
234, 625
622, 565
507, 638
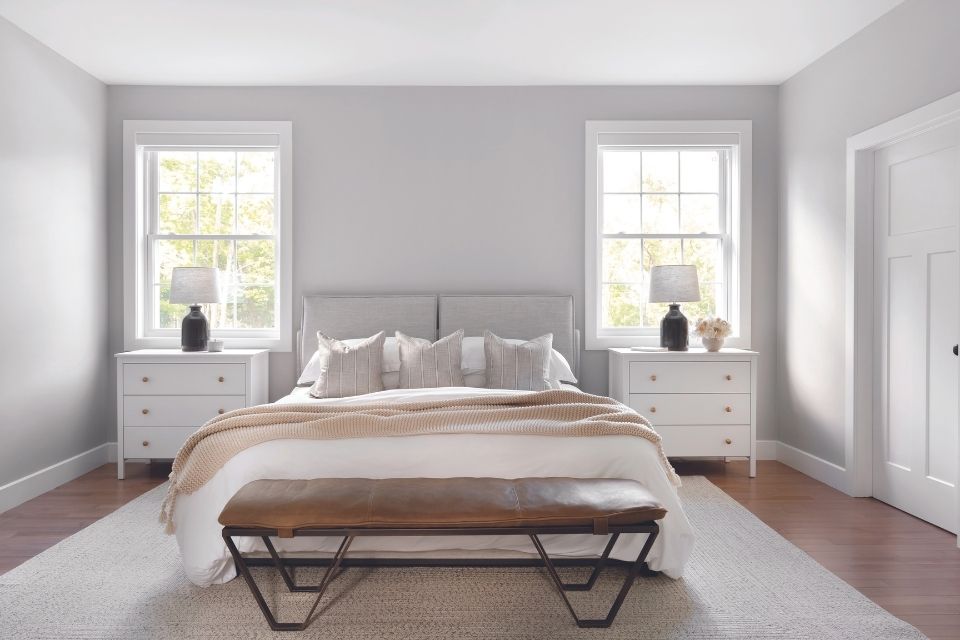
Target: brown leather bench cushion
333, 503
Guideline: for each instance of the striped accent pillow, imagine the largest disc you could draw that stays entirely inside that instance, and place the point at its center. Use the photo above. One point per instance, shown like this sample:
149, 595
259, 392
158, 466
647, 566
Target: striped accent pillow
347, 370
523, 366
426, 365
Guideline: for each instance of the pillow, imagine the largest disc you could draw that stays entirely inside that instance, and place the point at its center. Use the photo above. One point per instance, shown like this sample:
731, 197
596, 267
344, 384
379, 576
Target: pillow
425, 365
479, 381
391, 360
348, 370
473, 361
475, 380
517, 366
391, 380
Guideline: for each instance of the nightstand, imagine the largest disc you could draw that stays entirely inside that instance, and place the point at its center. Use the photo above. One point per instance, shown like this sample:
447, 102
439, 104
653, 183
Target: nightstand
702, 404
164, 395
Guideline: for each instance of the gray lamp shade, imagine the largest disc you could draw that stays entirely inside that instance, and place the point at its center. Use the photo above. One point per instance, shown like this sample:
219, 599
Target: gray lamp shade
674, 283
194, 285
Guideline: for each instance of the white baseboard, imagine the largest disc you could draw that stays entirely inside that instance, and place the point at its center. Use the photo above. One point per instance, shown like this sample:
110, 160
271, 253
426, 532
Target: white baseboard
767, 449
809, 464
39, 482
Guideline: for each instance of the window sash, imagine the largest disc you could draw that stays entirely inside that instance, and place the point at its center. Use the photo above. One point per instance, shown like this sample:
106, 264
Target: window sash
151, 217
725, 302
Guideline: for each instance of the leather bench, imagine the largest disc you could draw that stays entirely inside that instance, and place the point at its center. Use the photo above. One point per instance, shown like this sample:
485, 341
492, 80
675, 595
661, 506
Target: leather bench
351, 507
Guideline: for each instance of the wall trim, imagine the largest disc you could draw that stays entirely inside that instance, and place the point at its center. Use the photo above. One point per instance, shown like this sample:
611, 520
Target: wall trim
39, 482
735, 134
859, 309
808, 464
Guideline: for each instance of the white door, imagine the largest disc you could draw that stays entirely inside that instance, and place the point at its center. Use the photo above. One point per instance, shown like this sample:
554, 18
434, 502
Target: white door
917, 215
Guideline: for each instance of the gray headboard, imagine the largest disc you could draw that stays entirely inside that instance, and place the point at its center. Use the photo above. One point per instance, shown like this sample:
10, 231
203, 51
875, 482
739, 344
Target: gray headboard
515, 316
508, 316
359, 316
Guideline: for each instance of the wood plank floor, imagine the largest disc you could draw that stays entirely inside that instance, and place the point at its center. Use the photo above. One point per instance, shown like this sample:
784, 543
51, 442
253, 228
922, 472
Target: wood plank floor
907, 566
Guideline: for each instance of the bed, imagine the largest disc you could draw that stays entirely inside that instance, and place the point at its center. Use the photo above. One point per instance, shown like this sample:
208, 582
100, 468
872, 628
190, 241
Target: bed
206, 559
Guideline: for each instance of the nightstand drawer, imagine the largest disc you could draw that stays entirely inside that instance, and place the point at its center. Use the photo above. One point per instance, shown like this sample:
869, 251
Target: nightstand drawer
154, 442
705, 440
690, 377
176, 411
692, 408
184, 379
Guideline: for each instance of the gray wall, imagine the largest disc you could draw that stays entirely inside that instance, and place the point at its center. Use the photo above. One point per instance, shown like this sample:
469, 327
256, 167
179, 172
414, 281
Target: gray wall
455, 189
54, 370
906, 59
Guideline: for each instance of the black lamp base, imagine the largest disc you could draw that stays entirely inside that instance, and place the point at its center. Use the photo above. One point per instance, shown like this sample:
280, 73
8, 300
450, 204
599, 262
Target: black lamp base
193, 331
673, 330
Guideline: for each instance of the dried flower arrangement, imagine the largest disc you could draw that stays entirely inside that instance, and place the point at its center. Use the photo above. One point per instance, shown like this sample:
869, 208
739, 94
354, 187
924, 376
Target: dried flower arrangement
712, 332
713, 328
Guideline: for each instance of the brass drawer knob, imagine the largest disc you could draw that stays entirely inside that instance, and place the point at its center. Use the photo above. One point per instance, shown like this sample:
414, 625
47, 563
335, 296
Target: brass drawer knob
728, 409
729, 377
145, 411
653, 377
220, 411
728, 441
146, 379
653, 409
220, 379
146, 443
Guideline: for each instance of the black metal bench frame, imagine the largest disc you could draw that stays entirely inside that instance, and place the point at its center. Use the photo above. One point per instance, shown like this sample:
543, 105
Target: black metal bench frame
338, 562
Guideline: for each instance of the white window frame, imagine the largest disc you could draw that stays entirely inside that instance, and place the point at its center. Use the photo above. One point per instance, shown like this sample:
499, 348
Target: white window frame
138, 134
734, 136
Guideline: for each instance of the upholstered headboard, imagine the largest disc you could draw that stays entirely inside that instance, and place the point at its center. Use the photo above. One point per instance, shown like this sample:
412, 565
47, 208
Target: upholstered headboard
359, 316
515, 316
509, 316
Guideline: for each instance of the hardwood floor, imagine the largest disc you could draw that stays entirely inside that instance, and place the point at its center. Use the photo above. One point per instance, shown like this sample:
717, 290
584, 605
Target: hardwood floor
909, 567
40, 523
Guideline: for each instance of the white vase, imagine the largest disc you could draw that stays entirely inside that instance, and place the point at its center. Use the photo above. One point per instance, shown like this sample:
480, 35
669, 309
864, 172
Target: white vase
712, 344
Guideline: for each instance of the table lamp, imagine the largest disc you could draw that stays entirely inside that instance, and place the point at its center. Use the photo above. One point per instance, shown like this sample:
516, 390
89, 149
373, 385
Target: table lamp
674, 283
193, 286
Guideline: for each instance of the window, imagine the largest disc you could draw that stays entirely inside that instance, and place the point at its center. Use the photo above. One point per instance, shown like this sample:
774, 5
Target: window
216, 195
665, 193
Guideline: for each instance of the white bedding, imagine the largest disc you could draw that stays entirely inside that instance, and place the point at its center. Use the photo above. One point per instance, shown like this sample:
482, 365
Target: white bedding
206, 560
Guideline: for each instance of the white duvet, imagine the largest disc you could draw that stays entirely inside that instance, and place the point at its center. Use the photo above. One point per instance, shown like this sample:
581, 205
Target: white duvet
206, 560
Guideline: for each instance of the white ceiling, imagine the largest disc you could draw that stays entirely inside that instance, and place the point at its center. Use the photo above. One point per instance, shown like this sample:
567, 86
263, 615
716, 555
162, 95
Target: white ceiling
442, 42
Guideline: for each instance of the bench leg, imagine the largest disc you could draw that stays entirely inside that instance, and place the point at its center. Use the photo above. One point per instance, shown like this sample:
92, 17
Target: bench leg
286, 574
328, 576
632, 574
597, 568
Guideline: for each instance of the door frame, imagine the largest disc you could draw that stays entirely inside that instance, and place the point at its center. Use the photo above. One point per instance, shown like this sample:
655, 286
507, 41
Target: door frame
859, 282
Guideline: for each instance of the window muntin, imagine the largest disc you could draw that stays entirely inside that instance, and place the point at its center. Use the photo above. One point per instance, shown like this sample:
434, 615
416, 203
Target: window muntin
213, 206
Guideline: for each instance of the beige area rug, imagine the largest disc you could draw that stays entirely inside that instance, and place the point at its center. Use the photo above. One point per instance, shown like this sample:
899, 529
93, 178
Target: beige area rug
121, 578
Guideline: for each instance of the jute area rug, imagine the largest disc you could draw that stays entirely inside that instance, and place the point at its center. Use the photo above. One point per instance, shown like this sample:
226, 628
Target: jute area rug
121, 578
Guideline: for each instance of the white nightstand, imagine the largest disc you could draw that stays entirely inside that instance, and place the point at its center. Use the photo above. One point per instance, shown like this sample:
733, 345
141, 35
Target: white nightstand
702, 404
164, 395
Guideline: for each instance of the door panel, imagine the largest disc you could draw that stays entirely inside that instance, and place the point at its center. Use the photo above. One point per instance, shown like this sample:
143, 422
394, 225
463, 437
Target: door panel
917, 215
903, 331
942, 453
923, 189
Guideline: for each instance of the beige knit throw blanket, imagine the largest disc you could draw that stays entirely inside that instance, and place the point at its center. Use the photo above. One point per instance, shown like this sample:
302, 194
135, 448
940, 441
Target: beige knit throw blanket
557, 413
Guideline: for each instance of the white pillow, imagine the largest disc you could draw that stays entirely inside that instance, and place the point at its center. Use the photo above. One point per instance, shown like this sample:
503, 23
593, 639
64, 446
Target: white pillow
476, 380
473, 362
391, 380
391, 360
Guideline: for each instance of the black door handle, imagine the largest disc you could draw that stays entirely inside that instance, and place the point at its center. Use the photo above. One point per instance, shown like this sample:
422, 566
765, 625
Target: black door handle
955, 349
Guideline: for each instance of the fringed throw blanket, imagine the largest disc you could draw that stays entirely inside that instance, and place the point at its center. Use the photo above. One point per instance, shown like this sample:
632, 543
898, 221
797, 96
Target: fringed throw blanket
560, 413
